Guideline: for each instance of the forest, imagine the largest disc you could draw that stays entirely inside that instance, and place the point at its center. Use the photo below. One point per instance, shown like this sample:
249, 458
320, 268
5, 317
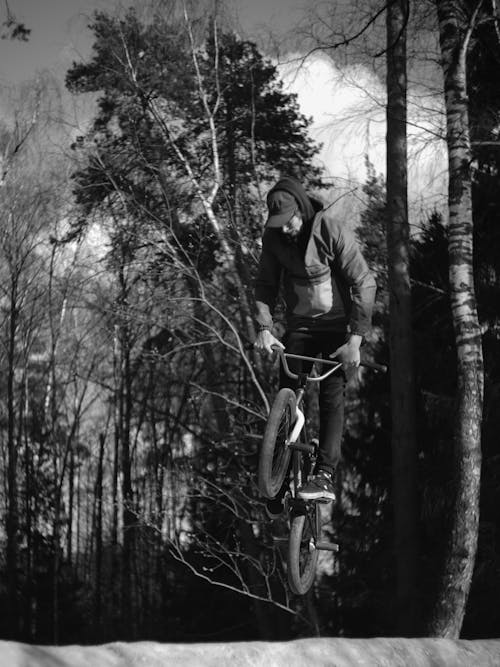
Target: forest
132, 401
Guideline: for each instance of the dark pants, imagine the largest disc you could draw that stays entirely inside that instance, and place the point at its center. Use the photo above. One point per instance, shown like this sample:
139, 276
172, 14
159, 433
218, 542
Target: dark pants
331, 390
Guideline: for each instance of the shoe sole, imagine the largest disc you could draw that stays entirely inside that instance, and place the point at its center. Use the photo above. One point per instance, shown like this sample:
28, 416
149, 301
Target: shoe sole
318, 495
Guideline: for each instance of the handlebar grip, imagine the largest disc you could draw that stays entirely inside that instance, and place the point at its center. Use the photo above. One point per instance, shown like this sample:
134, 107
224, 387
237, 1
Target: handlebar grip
381, 368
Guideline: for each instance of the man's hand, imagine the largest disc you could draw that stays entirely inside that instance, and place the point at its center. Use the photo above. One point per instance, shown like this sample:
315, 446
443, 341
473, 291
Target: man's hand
348, 353
265, 340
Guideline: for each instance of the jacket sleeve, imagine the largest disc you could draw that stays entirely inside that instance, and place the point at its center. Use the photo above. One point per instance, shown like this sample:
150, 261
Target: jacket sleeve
356, 274
267, 286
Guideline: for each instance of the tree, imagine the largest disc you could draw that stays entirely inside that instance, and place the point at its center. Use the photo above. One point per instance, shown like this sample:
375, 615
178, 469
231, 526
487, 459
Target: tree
400, 328
184, 137
361, 36
13, 29
455, 30
24, 207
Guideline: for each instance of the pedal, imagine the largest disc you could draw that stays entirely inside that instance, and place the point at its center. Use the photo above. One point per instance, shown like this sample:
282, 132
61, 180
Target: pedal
327, 546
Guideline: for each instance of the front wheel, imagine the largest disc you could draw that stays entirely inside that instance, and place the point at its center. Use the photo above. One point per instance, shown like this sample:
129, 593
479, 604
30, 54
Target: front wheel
274, 453
302, 552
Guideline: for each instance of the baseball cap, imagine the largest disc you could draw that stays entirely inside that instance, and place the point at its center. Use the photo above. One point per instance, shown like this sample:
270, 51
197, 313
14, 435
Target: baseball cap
281, 205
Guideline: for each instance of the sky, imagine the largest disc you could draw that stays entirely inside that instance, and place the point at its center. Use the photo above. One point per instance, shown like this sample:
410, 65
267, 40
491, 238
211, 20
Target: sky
59, 30
347, 105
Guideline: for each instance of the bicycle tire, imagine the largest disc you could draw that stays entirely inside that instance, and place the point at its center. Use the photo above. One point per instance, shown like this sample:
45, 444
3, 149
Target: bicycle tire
274, 456
302, 555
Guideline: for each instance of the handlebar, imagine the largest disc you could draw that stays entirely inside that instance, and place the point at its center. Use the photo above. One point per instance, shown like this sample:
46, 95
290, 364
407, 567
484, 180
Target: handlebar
327, 362
380, 368
284, 355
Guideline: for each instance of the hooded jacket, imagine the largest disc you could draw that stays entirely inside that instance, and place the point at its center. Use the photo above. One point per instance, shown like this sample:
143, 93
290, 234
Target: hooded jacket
326, 282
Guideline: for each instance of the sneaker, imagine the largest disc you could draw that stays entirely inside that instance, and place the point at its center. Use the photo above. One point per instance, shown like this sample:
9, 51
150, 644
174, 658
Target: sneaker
319, 487
274, 507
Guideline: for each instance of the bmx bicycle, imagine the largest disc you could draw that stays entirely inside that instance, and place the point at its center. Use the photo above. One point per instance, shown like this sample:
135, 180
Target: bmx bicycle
287, 458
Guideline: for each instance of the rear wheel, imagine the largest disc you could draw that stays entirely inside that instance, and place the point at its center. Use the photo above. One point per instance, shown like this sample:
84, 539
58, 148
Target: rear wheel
274, 456
302, 552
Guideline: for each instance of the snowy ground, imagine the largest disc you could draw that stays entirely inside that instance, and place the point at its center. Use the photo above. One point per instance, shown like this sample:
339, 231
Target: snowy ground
382, 652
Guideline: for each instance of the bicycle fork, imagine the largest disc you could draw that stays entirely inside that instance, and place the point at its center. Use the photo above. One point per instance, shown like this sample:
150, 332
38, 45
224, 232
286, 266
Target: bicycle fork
292, 440
297, 427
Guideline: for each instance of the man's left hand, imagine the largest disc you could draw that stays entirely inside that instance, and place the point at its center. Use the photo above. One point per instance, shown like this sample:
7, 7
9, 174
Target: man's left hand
348, 353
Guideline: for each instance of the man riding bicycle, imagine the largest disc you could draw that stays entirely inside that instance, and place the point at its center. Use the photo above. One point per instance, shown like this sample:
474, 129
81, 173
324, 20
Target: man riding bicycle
329, 294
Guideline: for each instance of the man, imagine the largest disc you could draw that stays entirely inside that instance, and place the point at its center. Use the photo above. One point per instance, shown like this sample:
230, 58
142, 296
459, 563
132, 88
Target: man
329, 294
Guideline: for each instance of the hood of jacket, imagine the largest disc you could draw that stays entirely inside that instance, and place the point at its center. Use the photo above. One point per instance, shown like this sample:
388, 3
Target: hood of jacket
296, 189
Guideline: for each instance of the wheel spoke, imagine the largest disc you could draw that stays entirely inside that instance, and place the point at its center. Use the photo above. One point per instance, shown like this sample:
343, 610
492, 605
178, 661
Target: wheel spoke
302, 554
275, 455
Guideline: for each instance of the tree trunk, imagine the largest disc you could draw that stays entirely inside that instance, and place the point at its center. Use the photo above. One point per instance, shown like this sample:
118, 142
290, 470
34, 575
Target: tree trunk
129, 517
71, 491
29, 487
12, 522
455, 27
98, 525
404, 460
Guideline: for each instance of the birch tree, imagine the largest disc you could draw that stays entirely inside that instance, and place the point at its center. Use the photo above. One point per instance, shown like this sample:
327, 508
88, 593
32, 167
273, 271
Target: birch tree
456, 23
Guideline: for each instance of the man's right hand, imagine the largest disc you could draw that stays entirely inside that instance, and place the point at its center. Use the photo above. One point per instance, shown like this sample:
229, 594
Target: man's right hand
265, 341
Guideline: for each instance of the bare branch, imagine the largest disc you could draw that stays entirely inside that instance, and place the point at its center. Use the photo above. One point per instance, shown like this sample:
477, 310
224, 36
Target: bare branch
494, 9
347, 40
204, 97
177, 554
19, 138
470, 28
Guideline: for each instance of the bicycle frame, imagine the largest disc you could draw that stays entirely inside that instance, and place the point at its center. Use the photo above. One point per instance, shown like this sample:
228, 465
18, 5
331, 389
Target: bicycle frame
303, 380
